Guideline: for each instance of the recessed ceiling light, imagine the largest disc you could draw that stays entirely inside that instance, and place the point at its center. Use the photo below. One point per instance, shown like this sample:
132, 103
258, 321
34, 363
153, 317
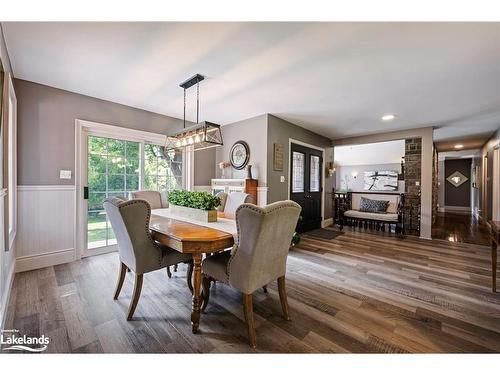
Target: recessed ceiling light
459, 146
388, 117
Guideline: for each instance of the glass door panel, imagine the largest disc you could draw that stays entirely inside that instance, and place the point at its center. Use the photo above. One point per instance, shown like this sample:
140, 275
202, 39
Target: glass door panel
113, 171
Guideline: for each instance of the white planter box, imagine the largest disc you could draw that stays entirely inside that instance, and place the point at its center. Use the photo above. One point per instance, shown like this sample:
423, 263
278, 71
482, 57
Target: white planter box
194, 213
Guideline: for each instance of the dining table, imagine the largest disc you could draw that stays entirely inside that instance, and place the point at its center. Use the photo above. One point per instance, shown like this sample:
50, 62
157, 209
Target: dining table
193, 237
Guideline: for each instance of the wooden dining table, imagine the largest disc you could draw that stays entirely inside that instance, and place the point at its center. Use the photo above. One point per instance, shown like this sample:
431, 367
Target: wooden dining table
195, 239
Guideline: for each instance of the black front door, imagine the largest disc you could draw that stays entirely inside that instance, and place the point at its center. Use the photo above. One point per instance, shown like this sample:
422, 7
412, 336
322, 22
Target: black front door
306, 167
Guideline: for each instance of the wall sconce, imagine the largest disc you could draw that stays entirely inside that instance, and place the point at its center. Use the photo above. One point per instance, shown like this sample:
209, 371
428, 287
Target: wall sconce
330, 169
354, 174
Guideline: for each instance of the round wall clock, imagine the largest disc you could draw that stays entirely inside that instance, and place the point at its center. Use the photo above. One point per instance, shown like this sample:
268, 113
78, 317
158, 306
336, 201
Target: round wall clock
239, 155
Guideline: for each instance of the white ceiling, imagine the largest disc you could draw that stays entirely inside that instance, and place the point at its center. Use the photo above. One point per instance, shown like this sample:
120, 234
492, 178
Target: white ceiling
370, 153
334, 78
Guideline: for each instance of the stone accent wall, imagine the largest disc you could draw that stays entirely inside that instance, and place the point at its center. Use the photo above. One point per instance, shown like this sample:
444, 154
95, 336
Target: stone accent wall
413, 174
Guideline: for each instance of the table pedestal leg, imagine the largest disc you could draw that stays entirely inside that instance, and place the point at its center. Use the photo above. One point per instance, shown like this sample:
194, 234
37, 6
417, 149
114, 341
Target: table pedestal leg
195, 314
494, 265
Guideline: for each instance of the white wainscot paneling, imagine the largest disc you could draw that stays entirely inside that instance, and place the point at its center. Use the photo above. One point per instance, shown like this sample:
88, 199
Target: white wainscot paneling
46, 226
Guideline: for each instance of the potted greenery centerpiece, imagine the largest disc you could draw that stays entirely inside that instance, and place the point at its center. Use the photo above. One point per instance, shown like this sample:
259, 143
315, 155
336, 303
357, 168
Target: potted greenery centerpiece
197, 205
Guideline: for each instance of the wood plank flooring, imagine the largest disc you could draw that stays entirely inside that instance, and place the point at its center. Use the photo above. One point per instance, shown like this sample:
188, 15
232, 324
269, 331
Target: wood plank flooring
360, 293
456, 226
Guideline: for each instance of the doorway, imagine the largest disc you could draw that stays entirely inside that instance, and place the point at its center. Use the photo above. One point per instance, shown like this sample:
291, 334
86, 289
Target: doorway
112, 162
306, 185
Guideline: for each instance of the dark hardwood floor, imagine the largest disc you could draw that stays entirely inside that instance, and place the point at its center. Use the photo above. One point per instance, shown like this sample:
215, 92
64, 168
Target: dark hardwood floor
359, 292
460, 227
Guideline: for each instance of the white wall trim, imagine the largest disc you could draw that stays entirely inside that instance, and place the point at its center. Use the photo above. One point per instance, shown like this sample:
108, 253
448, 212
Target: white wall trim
262, 195
45, 187
4, 304
51, 258
323, 170
327, 222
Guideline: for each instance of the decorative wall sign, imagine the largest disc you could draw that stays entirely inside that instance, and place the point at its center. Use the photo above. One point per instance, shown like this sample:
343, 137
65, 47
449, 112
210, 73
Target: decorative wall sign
456, 179
380, 180
278, 157
239, 155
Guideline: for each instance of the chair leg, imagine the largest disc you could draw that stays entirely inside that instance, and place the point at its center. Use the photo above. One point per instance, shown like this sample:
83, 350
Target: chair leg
175, 268
121, 278
283, 300
205, 283
248, 309
135, 297
264, 288
189, 276
169, 273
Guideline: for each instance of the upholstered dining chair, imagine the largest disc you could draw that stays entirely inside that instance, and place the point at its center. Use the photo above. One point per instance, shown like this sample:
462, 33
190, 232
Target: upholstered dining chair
137, 250
258, 257
156, 199
230, 202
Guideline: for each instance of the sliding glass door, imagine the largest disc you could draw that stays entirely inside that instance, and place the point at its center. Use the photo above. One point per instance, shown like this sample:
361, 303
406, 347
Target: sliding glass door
113, 170
116, 167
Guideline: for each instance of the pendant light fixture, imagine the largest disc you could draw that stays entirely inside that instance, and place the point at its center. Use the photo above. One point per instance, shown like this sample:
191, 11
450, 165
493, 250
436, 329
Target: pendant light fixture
200, 136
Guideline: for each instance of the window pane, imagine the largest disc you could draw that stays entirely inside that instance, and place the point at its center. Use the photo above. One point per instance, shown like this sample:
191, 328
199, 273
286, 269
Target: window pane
150, 183
116, 147
116, 182
314, 174
96, 229
298, 167
132, 182
97, 182
116, 164
97, 145
95, 201
97, 164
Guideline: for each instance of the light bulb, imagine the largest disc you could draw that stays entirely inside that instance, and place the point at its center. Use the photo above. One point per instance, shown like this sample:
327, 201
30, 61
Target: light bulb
179, 143
190, 140
197, 138
184, 143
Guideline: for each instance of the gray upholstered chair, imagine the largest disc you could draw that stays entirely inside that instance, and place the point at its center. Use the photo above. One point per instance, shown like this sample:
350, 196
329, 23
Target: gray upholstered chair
258, 257
230, 202
156, 199
137, 249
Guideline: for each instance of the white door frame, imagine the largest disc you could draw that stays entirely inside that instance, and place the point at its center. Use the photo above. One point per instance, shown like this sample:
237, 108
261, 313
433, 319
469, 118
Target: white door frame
323, 173
82, 129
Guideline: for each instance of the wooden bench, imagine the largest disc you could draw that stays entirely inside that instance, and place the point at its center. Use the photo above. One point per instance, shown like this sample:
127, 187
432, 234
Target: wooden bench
347, 211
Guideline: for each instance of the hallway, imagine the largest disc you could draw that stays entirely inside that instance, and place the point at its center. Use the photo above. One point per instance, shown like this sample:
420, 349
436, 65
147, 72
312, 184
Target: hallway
463, 227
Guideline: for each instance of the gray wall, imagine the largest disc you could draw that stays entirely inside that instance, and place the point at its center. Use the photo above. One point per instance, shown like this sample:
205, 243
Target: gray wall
280, 131
204, 161
357, 184
253, 131
46, 128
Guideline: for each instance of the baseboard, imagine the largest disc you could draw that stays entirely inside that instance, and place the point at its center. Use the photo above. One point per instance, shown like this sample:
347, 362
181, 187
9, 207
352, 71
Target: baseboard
327, 222
6, 298
31, 262
456, 208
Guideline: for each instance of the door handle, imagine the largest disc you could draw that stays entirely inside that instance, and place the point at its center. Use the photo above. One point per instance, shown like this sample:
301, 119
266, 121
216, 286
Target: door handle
85, 192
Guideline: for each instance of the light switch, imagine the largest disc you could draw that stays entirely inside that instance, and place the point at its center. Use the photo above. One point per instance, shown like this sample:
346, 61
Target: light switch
64, 175
417, 183
282, 178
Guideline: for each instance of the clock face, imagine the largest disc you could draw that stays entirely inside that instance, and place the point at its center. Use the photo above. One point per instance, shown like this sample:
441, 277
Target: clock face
239, 155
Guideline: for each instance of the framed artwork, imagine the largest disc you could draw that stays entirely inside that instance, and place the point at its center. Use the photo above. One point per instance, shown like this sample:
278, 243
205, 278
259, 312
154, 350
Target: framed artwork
239, 155
278, 157
381, 180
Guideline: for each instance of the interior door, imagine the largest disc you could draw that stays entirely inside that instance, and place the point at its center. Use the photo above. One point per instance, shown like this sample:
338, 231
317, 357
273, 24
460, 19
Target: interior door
306, 189
113, 169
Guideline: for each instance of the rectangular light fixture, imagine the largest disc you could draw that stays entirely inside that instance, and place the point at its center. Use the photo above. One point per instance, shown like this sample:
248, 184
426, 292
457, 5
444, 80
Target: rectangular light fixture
201, 136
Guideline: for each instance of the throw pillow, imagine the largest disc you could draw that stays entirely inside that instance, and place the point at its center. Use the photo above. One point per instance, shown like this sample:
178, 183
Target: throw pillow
372, 205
